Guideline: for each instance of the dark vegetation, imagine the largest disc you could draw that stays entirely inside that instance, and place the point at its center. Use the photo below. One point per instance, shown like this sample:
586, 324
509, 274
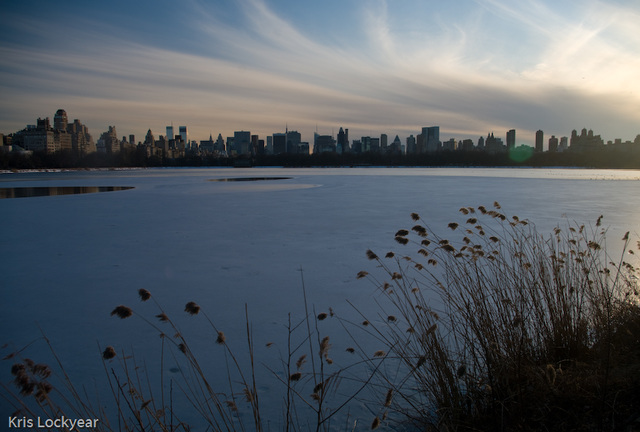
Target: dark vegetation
494, 327
138, 158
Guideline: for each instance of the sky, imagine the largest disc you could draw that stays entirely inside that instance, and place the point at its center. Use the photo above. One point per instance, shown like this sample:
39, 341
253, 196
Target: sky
471, 67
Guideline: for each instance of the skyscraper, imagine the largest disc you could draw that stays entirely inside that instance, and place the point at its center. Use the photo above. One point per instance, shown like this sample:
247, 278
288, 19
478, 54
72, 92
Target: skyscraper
343, 140
539, 141
242, 142
183, 134
170, 135
511, 139
431, 138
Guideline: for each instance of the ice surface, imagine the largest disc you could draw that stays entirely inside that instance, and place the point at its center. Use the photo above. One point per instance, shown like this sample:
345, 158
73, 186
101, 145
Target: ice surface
67, 261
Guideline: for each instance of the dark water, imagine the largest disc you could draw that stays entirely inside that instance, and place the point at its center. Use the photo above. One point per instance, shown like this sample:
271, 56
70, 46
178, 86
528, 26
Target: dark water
26, 192
240, 179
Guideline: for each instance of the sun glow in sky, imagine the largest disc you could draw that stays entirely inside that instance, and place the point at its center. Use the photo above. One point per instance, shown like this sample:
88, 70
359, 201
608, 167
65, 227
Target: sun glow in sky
373, 66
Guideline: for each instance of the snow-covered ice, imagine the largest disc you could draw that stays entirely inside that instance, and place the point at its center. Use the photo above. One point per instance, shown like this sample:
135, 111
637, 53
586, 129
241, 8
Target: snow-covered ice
67, 261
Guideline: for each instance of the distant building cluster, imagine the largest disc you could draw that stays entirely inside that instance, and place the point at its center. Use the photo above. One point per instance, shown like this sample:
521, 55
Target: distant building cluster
62, 135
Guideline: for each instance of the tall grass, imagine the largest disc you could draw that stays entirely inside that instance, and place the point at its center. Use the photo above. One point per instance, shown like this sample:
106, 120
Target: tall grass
315, 392
504, 328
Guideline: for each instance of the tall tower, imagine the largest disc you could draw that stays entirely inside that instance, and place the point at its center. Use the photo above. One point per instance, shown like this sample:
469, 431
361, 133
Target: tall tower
511, 139
183, 134
170, 135
539, 140
431, 138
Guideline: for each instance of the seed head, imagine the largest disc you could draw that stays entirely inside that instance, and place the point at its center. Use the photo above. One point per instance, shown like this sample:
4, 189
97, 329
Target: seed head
402, 233
144, 294
388, 398
295, 376
247, 394
109, 353
301, 361
402, 240
322, 316
122, 312
361, 274
599, 221
371, 255
192, 308
221, 338
422, 231
415, 216
324, 346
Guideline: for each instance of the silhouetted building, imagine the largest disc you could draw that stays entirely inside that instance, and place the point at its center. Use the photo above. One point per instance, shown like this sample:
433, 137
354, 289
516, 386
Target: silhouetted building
207, 146
396, 146
293, 140
431, 138
553, 144
564, 144
493, 145
356, 146
449, 145
343, 141
81, 140
511, 139
586, 141
324, 144
182, 130
411, 144
374, 144
60, 121
467, 145
279, 143
39, 137
481, 143
242, 142
539, 141
108, 142
149, 139
219, 146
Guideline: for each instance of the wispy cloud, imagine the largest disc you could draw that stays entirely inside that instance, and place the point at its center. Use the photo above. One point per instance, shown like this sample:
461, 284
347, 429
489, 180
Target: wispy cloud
465, 72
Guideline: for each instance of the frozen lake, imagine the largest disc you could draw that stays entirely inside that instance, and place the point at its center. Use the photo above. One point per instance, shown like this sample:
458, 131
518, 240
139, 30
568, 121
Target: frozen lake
66, 261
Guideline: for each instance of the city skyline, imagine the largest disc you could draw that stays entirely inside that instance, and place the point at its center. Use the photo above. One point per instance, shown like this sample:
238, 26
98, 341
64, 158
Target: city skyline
376, 67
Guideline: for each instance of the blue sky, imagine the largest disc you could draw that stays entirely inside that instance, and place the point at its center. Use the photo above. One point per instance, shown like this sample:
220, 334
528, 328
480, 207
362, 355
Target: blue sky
373, 66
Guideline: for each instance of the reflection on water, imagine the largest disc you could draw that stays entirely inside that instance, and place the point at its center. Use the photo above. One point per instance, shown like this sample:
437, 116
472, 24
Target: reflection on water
25, 192
238, 179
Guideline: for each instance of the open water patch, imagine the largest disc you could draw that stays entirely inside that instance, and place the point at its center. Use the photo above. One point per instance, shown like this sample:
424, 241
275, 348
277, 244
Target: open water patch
40, 191
248, 179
